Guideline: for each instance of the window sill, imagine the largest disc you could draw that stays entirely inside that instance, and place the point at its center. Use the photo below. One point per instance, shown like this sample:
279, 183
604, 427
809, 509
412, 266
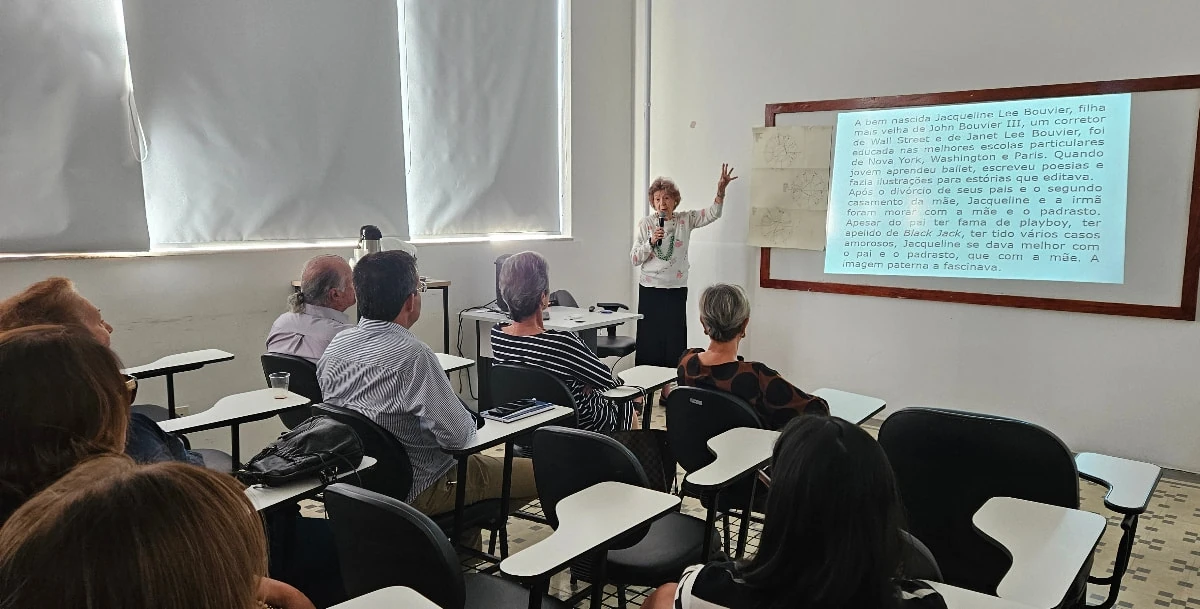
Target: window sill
270, 246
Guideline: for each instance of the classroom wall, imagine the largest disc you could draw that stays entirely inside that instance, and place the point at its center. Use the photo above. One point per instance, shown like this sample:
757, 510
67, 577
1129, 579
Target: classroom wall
1125, 386
168, 304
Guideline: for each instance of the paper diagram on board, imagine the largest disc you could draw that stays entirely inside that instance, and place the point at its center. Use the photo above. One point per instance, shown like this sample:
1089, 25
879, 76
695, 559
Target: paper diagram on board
797, 188
792, 147
789, 186
787, 227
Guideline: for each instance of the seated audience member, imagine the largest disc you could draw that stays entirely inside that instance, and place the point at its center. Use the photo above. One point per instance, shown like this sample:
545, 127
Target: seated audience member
384, 371
725, 313
832, 536
193, 542
318, 310
55, 301
63, 399
525, 287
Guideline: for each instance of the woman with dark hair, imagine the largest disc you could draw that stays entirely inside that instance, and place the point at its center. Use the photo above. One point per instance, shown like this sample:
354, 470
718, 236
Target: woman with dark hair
660, 252
831, 539
194, 541
55, 301
62, 399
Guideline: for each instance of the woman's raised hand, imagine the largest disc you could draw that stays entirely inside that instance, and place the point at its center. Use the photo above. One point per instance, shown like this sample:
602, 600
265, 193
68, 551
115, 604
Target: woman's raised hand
726, 177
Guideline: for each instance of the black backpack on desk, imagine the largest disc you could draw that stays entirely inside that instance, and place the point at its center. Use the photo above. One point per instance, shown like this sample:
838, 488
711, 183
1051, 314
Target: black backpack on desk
317, 448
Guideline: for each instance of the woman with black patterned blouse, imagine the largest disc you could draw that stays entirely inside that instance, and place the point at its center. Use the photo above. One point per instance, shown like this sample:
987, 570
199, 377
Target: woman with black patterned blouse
724, 313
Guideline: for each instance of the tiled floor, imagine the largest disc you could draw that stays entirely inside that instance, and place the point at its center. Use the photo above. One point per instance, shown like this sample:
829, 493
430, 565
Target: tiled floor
1164, 570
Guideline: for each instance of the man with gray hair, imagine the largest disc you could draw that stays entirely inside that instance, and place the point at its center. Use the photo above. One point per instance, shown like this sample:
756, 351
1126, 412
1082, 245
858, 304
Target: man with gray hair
318, 310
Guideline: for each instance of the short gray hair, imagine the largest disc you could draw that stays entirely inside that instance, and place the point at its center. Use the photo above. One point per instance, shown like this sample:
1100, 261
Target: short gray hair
724, 309
524, 279
318, 278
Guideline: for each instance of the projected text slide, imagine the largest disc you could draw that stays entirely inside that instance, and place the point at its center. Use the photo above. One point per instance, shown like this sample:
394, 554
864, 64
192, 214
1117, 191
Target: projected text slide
1030, 189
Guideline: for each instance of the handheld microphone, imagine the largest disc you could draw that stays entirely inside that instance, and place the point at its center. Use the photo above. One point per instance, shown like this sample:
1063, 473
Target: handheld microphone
662, 220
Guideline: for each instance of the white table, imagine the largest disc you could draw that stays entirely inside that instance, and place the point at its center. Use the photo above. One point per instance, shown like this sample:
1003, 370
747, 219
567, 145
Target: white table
231, 411
1130, 486
1130, 483
637, 378
1048, 545
738, 451
494, 433
450, 363
960, 598
395, 597
170, 365
264, 497
587, 521
851, 407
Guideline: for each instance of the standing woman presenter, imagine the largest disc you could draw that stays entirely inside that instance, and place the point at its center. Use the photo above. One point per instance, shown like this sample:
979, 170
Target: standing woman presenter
661, 250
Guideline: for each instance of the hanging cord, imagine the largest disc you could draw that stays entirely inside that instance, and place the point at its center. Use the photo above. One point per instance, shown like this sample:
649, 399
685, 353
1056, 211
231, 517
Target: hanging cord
137, 136
458, 345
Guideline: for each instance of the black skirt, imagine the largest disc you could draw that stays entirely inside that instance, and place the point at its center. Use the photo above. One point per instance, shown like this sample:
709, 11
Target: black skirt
662, 331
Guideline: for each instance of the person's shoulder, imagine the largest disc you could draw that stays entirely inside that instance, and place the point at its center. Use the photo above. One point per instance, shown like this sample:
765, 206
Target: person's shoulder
761, 369
915, 594
719, 584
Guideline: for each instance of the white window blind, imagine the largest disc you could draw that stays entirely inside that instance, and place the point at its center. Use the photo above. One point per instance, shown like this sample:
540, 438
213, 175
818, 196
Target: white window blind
69, 179
269, 119
481, 88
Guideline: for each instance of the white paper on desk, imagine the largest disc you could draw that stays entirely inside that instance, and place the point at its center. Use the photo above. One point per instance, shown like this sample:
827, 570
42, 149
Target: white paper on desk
787, 227
793, 147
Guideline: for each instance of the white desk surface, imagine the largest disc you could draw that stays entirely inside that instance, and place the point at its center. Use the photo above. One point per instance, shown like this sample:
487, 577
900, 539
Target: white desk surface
650, 378
851, 406
450, 363
164, 365
264, 497
960, 598
1130, 483
561, 318
1048, 545
395, 597
237, 408
586, 521
495, 432
738, 452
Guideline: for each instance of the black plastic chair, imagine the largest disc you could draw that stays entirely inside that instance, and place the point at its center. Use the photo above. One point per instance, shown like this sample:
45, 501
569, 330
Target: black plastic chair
512, 382
392, 473
566, 461
949, 463
384, 542
695, 415
303, 381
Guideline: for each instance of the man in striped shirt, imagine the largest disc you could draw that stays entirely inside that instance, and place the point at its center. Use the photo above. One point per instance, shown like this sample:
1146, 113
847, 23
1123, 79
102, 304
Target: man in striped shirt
382, 370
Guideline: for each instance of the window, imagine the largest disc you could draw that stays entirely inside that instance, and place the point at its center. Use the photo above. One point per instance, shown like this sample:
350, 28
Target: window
484, 98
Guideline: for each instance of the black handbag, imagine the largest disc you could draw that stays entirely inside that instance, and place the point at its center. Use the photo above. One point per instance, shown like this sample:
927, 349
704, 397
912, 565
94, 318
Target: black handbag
317, 448
652, 450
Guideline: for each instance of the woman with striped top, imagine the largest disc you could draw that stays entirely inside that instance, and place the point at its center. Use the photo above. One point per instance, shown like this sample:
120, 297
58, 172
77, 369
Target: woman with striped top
525, 287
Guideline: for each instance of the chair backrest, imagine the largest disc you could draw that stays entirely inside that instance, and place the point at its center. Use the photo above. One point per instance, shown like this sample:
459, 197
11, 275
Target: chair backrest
384, 542
303, 381
563, 298
392, 473
697, 414
948, 463
566, 461
510, 382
